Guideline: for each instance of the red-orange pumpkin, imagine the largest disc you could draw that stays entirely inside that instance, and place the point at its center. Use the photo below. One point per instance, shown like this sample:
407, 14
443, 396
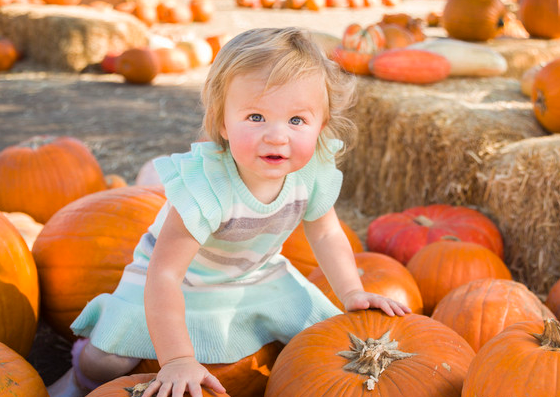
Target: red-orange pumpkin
553, 299
473, 20
380, 274
18, 377
8, 54
312, 363
444, 265
19, 290
407, 65
523, 360
43, 174
138, 65
541, 18
352, 61
402, 234
125, 385
299, 252
481, 309
546, 96
83, 248
245, 378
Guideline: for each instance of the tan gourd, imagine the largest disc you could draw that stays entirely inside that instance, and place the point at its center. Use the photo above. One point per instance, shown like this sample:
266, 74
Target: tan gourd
466, 59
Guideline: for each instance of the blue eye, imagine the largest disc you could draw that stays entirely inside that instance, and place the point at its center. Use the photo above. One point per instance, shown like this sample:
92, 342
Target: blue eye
256, 117
296, 120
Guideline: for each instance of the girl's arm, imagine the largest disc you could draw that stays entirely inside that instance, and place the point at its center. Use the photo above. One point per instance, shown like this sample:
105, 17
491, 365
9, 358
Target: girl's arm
336, 258
165, 312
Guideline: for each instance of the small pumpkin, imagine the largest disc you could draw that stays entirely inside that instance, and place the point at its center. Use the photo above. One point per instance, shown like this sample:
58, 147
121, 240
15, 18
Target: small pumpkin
523, 360
357, 47
19, 290
134, 385
198, 51
546, 96
441, 266
401, 234
18, 377
8, 54
26, 226
114, 181
553, 299
352, 61
481, 309
173, 12
44, 173
407, 65
138, 65
369, 353
202, 10
244, 378
299, 252
379, 274
83, 249
541, 18
217, 41
396, 36
473, 20
172, 60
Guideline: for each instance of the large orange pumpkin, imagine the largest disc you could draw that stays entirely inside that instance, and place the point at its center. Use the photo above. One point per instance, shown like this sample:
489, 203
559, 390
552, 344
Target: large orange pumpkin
523, 360
44, 173
402, 234
553, 299
299, 252
367, 353
126, 385
546, 96
541, 18
244, 378
380, 274
83, 249
481, 309
473, 20
18, 377
19, 290
444, 265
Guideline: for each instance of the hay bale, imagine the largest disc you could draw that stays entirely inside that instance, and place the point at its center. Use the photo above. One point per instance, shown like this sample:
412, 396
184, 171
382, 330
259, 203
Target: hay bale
69, 37
521, 54
520, 185
425, 144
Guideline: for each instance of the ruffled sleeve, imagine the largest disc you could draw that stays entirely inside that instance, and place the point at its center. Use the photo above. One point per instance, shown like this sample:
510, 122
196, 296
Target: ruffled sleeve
196, 183
323, 181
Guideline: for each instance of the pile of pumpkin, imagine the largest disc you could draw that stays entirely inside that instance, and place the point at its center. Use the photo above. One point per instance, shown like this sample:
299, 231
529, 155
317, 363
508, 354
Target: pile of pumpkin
67, 231
399, 56
314, 5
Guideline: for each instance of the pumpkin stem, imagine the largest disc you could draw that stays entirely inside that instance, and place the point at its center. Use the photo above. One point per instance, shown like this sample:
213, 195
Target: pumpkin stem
423, 221
540, 102
138, 389
550, 338
372, 356
449, 237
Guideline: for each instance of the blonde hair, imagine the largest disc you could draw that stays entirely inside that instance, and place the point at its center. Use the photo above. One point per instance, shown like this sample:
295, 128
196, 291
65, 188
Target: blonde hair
287, 54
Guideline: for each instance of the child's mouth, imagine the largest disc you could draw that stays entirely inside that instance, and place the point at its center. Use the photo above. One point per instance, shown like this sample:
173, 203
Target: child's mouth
273, 158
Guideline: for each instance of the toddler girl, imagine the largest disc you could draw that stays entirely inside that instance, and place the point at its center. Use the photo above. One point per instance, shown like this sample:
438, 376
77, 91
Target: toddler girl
208, 283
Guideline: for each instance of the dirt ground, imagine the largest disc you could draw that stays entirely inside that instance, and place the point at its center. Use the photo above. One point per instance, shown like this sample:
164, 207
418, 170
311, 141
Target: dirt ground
125, 125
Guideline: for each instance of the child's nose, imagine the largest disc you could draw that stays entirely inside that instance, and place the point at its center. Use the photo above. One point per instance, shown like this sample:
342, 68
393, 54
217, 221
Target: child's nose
276, 135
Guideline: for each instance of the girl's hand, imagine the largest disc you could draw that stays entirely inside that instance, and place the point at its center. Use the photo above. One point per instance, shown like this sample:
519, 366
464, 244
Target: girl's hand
180, 375
358, 300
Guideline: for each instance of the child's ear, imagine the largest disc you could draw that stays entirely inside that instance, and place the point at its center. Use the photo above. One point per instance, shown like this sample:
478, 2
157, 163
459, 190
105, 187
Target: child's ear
223, 132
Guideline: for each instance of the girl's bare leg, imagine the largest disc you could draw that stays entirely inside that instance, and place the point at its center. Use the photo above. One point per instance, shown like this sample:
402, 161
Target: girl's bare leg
91, 367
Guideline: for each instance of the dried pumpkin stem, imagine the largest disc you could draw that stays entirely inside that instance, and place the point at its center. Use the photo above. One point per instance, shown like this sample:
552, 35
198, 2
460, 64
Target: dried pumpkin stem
37, 141
372, 356
540, 102
423, 221
550, 338
138, 389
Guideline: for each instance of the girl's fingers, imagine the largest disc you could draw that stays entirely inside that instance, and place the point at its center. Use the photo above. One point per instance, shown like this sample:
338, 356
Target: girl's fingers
194, 389
164, 389
179, 389
152, 388
212, 382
